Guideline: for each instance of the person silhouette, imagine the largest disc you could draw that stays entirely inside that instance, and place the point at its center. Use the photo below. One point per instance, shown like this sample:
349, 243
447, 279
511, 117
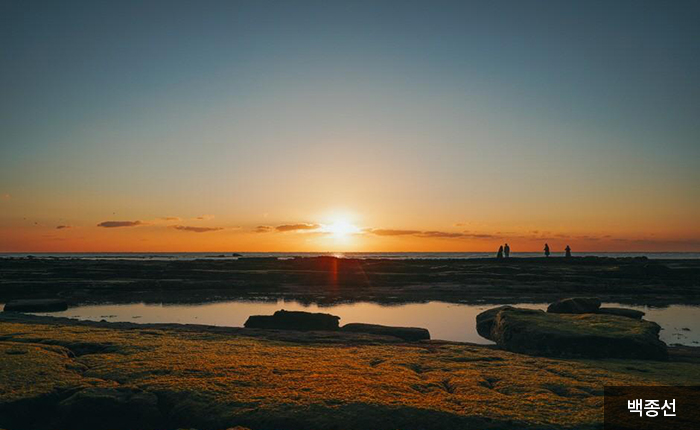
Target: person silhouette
546, 250
500, 252
506, 251
568, 251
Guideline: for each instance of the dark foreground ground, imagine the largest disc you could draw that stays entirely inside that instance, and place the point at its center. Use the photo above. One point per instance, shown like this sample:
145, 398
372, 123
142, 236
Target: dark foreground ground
329, 280
71, 375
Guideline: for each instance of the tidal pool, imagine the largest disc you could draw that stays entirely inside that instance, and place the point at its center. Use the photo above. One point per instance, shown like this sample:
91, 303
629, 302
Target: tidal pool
447, 321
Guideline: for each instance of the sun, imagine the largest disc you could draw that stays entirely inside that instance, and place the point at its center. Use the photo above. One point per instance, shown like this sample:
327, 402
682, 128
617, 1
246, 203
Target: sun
341, 229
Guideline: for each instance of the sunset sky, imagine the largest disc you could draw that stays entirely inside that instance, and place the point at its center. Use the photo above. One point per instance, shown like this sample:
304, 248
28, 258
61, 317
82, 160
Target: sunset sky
349, 125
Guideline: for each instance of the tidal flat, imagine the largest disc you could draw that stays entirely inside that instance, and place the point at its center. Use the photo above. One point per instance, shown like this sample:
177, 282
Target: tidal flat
328, 280
61, 373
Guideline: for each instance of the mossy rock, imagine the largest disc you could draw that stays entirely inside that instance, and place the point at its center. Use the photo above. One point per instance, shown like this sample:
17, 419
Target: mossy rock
406, 333
575, 305
622, 312
109, 409
574, 335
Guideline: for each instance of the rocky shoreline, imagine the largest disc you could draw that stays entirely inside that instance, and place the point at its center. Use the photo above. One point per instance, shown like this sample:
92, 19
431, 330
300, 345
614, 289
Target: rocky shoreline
64, 374
329, 280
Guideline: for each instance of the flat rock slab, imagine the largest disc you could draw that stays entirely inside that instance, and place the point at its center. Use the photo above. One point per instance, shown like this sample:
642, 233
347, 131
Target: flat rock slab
572, 335
286, 320
622, 312
38, 305
405, 333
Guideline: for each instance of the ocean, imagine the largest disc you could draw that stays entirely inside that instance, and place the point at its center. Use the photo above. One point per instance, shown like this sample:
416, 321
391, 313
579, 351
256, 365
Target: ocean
361, 255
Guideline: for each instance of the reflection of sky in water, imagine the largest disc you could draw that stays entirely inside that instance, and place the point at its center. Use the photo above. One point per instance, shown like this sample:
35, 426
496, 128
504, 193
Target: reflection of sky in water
447, 321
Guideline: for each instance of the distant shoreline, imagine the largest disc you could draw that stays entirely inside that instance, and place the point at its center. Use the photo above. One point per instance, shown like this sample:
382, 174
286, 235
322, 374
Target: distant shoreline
663, 255
326, 280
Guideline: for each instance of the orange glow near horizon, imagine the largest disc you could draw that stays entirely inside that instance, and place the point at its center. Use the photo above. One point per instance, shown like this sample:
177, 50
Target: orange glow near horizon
338, 234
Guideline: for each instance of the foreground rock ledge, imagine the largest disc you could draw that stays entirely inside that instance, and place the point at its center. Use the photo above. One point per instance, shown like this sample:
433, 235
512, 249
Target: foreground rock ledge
571, 335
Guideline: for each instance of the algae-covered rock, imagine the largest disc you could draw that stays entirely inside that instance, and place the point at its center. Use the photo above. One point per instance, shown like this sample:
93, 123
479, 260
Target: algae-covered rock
405, 333
575, 305
622, 312
583, 335
486, 319
294, 320
109, 409
36, 305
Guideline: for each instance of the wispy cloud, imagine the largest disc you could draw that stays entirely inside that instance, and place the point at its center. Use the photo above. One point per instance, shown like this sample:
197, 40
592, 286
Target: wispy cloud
416, 233
392, 232
297, 227
170, 218
114, 224
63, 227
196, 229
264, 229
204, 217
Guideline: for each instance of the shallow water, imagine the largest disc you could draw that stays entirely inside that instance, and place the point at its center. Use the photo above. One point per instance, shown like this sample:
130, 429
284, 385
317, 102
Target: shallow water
447, 321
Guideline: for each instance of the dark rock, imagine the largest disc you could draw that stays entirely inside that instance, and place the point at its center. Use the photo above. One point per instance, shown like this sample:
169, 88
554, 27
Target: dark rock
622, 312
37, 305
405, 333
284, 320
486, 319
109, 409
582, 335
575, 305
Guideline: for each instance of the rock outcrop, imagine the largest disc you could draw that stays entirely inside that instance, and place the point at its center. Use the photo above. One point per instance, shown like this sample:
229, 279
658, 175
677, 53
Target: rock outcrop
575, 305
36, 305
294, 320
563, 335
406, 333
622, 312
109, 408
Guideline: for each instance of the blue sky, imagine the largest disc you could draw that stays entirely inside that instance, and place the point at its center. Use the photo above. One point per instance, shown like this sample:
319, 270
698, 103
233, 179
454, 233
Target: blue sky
508, 115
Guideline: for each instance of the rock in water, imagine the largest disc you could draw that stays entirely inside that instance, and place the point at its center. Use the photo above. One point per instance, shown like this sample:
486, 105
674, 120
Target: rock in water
303, 321
586, 335
406, 333
38, 305
486, 319
622, 312
575, 305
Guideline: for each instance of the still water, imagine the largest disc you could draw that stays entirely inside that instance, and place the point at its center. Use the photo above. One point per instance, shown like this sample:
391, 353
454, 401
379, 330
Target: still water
447, 321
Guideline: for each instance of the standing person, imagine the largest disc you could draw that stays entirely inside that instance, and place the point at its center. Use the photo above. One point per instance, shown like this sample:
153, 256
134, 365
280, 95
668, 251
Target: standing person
506, 250
568, 251
500, 252
546, 250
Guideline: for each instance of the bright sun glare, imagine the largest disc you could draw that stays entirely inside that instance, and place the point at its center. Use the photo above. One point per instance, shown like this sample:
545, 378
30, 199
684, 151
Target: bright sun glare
341, 229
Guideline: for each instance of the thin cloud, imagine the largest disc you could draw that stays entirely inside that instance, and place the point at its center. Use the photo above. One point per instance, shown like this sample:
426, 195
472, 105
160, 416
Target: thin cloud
393, 232
114, 224
6, 196
196, 229
296, 227
170, 218
63, 227
264, 229
440, 234
204, 217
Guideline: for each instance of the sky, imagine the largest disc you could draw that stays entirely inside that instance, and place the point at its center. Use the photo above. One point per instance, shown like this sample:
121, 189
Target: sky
349, 125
